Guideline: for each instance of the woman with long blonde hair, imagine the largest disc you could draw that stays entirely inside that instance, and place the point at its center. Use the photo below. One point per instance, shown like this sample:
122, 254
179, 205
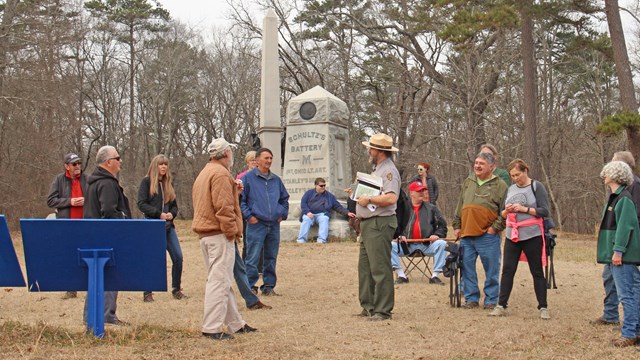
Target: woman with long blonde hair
157, 200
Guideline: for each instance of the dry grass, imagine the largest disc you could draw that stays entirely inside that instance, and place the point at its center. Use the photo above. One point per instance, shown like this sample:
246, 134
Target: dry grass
313, 319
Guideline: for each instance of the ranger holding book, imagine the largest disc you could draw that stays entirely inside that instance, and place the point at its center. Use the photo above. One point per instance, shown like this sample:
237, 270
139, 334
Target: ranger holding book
378, 224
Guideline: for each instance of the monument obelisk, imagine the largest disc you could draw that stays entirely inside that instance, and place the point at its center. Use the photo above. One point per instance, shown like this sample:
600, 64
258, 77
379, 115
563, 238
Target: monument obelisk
270, 131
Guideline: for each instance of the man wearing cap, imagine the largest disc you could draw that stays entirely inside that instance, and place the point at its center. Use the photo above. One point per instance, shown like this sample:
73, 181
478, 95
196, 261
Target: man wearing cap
218, 222
66, 195
316, 205
375, 275
425, 222
264, 203
477, 222
105, 199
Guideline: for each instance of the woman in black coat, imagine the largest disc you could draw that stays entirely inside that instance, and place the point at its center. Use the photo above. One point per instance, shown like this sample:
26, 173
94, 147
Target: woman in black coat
157, 200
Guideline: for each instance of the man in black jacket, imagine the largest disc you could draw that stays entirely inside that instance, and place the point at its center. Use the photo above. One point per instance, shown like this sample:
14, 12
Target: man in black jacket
424, 221
105, 199
66, 195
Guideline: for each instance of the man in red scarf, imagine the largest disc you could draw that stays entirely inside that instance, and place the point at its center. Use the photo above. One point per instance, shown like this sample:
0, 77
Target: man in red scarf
67, 194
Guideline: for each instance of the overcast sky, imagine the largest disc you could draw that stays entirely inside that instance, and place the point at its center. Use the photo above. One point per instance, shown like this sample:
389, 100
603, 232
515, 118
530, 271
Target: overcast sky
200, 14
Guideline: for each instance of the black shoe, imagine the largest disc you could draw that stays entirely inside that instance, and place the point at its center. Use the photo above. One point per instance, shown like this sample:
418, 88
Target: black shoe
246, 329
269, 292
117, 322
435, 281
218, 336
401, 280
379, 317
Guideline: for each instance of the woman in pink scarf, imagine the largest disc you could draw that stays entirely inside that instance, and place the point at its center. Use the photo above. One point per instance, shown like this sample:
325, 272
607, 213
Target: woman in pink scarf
526, 206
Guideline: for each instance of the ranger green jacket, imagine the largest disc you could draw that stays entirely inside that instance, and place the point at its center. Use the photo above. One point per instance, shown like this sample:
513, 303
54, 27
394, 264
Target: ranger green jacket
619, 230
479, 207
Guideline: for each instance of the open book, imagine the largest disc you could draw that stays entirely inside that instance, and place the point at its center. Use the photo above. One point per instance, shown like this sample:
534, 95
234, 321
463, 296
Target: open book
367, 185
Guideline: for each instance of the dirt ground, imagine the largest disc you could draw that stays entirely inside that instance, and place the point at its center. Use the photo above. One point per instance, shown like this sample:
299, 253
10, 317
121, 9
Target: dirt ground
314, 317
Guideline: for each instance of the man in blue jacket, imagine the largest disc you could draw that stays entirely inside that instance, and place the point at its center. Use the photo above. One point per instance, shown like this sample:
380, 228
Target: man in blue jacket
264, 204
316, 205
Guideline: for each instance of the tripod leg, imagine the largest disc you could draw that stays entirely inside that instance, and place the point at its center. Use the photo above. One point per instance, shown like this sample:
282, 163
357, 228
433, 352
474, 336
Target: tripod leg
553, 273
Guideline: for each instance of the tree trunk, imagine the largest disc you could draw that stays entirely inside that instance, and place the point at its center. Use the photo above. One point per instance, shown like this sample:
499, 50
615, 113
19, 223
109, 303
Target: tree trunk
530, 90
623, 71
9, 13
132, 104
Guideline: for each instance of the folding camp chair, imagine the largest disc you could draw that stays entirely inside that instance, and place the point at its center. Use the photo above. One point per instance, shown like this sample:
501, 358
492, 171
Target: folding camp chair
417, 261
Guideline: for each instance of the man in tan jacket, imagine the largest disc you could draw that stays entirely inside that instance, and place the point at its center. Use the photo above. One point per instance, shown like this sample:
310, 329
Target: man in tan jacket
218, 222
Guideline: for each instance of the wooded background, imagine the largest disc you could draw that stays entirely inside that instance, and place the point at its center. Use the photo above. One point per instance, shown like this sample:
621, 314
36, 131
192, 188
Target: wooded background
535, 78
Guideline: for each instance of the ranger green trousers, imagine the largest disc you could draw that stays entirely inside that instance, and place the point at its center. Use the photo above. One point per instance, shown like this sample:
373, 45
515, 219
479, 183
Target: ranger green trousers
375, 276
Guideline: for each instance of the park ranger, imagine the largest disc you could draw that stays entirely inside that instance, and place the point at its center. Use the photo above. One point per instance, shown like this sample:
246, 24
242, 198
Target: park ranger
378, 224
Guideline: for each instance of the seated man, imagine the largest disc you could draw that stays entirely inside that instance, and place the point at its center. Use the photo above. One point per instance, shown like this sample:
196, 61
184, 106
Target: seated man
425, 222
316, 207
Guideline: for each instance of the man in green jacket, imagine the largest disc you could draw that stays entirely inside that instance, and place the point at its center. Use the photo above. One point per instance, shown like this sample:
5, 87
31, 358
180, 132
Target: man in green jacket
477, 222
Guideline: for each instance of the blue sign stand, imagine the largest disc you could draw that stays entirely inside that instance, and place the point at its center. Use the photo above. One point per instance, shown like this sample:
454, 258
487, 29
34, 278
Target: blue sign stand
95, 260
95, 255
10, 272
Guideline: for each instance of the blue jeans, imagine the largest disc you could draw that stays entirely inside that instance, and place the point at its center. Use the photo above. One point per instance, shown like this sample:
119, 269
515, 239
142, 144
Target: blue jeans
627, 279
175, 253
323, 227
262, 238
240, 275
434, 249
487, 246
611, 312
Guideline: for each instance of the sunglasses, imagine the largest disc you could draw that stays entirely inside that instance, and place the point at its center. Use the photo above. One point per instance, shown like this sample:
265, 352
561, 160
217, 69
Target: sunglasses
323, 185
117, 158
420, 169
78, 163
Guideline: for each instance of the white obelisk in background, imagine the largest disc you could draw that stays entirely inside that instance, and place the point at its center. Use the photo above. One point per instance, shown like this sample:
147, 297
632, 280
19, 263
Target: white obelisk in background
270, 131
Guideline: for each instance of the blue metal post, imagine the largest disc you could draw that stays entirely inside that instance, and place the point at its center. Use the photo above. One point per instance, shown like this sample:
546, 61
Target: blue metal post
96, 259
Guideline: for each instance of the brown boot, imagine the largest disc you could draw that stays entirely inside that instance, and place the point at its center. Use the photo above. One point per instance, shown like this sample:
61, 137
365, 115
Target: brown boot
70, 295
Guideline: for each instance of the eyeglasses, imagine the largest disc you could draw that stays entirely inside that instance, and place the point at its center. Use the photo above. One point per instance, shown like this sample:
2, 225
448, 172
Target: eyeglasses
117, 158
323, 185
78, 163
420, 169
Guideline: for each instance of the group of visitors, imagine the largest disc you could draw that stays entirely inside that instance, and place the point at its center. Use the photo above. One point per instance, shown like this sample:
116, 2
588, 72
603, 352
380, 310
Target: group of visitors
252, 206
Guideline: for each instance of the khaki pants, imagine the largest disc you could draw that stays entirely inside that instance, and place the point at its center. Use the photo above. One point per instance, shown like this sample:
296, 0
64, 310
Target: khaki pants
220, 305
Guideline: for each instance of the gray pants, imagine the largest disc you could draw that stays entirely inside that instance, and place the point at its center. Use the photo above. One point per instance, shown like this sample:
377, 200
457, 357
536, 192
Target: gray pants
110, 305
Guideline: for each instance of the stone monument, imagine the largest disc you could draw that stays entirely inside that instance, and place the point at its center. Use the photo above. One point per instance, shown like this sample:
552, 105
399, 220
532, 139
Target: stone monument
317, 145
270, 131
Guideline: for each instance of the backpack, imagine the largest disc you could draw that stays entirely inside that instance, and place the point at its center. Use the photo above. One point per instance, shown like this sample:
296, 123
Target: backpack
547, 221
402, 208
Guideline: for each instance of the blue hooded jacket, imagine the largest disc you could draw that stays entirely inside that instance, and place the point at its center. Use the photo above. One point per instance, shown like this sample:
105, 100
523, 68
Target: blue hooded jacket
264, 196
315, 203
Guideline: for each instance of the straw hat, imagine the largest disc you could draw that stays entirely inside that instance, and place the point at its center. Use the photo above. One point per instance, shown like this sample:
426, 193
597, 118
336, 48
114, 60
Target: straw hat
380, 142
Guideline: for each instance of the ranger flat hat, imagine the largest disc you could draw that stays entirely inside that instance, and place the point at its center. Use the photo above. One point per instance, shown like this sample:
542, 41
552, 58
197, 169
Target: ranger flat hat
380, 142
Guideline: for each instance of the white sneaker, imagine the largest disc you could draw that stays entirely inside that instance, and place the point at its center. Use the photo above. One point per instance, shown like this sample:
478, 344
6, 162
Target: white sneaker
498, 311
544, 314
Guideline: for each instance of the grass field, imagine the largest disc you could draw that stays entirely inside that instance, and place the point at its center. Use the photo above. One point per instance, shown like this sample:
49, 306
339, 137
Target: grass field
313, 319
